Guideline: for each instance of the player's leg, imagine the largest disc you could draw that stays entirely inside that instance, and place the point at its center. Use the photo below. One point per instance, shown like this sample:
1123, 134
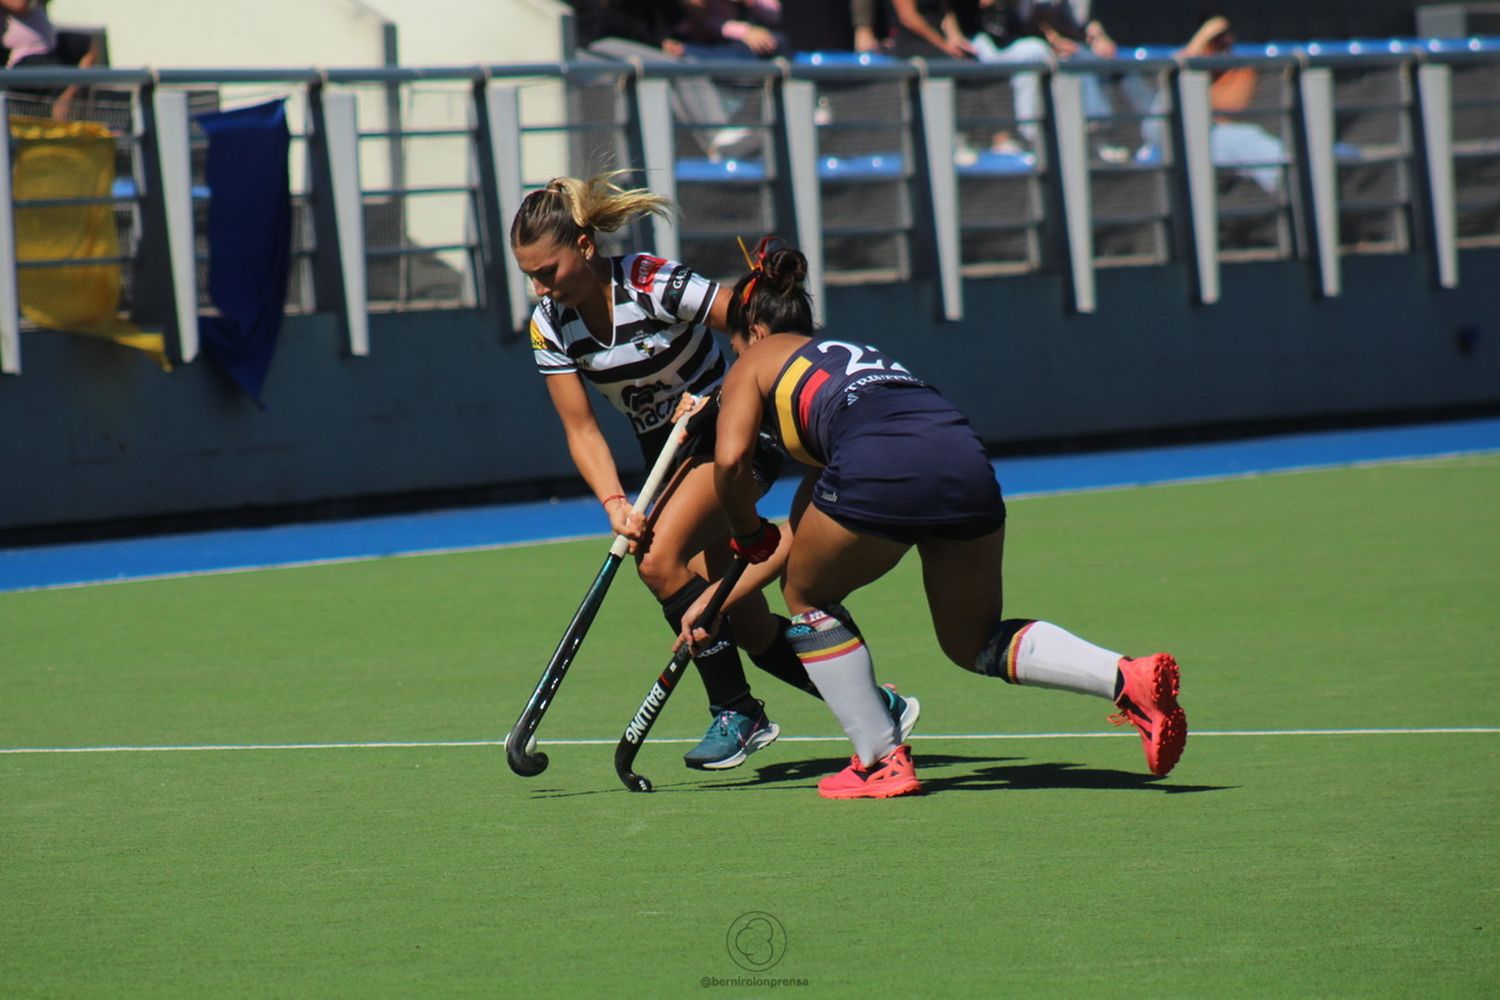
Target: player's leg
687, 526
964, 587
760, 632
965, 592
677, 529
692, 531
755, 628
827, 563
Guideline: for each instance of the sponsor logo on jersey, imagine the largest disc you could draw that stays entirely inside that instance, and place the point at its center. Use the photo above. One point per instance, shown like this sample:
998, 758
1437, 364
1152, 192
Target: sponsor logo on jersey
643, 270
649, 406
676, 286
538, 342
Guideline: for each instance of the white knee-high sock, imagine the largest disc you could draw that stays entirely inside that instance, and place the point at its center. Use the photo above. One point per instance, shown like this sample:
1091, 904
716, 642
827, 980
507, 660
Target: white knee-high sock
838, 662
1040, 654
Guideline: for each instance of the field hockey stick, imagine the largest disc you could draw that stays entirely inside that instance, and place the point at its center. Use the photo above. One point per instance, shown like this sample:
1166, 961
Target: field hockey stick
656, 698
520, 745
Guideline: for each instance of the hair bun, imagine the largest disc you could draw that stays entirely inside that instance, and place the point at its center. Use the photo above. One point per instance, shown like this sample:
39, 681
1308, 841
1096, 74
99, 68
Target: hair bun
785, 268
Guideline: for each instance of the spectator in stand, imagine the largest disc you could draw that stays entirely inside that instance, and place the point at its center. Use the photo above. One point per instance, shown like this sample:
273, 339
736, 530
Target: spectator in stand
1021, 31
819, 25
927, 28
600, 24
866, 17
1254, 152
730, 29
642, 30
32, 41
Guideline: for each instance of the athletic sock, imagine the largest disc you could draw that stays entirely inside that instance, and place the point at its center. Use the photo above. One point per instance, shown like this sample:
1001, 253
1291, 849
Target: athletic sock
724, 678
719, 665
1039, 654
779, 660
829, 645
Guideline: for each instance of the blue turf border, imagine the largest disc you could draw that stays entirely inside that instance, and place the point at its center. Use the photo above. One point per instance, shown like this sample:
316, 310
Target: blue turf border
488, 527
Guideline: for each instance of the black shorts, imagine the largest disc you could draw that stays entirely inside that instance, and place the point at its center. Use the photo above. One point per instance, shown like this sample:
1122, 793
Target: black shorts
907, 466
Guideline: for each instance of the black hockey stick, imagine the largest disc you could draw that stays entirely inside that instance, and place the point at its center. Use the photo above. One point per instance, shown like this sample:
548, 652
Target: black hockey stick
520, 745
656, 698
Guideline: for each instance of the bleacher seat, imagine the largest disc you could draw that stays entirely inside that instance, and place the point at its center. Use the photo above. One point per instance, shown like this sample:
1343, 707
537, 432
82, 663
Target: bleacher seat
702, 171
991, 164
831, 168
842, 59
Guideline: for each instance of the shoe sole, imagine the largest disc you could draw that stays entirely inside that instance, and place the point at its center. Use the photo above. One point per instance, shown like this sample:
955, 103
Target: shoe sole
1173, 741
886, 790
882, 788
759, 739
1170, 737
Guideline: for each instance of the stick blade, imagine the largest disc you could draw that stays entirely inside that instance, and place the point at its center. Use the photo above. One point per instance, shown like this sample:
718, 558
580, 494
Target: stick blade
525, 761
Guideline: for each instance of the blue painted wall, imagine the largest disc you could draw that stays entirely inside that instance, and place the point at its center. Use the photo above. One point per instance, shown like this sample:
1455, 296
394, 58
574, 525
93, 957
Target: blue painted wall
94, 433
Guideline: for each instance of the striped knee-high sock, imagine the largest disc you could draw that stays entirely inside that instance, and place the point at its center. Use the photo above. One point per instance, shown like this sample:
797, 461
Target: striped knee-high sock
829, 645
1040, 654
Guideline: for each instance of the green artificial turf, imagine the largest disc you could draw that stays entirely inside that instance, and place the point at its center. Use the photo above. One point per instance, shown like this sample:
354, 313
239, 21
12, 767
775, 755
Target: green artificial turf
1310, 865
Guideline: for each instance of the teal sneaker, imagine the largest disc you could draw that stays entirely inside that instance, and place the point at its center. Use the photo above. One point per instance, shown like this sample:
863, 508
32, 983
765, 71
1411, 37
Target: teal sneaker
904, 711
731, 737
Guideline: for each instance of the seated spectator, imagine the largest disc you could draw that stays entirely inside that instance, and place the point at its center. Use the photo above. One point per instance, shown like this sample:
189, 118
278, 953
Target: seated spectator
927, 28
646, 23
641, 31
729, 29
831, 25
32, 41
1257, 153
867, 18
1047, 31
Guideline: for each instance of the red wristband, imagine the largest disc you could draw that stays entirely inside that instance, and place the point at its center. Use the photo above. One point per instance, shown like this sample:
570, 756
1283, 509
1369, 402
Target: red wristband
759, 545
611, 499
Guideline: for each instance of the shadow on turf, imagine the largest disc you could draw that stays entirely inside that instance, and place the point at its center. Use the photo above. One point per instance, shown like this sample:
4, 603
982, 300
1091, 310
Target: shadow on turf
981, 774
984, 774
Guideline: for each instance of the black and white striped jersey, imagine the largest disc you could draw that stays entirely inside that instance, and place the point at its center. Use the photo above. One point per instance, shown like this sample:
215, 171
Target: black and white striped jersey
661, 347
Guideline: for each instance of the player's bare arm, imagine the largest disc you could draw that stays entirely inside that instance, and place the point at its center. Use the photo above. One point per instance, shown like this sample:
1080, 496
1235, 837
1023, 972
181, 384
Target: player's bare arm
590, 453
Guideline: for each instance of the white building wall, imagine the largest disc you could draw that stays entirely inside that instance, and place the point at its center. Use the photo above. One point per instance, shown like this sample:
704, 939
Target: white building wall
341, 33
350, 33
453, 32
214, 33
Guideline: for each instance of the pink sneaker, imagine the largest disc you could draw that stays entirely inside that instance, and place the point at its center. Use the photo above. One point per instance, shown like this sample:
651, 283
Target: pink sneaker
1149, 701
892, 775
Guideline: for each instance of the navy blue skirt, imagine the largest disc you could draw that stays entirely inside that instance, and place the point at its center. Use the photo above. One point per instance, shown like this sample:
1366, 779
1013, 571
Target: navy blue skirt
905, 465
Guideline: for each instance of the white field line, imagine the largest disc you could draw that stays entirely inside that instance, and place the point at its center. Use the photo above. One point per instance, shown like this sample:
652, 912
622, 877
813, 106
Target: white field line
424, 744
558, 539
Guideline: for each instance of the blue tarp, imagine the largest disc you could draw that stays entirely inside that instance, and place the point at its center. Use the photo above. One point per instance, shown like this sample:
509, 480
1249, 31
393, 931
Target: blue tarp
249, 239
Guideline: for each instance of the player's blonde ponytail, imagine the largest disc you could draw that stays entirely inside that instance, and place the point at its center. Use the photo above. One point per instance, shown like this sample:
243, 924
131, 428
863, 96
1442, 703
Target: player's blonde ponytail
568, 207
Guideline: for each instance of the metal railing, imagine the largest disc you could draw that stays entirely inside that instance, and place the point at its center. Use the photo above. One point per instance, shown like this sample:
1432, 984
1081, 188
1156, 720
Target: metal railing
405, 179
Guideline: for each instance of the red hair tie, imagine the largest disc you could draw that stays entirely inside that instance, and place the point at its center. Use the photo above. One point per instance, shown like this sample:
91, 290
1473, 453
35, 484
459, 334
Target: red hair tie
756, 262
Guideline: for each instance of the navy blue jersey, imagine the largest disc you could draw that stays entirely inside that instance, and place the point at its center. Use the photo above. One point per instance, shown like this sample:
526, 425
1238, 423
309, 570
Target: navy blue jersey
897, 460
819, 379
